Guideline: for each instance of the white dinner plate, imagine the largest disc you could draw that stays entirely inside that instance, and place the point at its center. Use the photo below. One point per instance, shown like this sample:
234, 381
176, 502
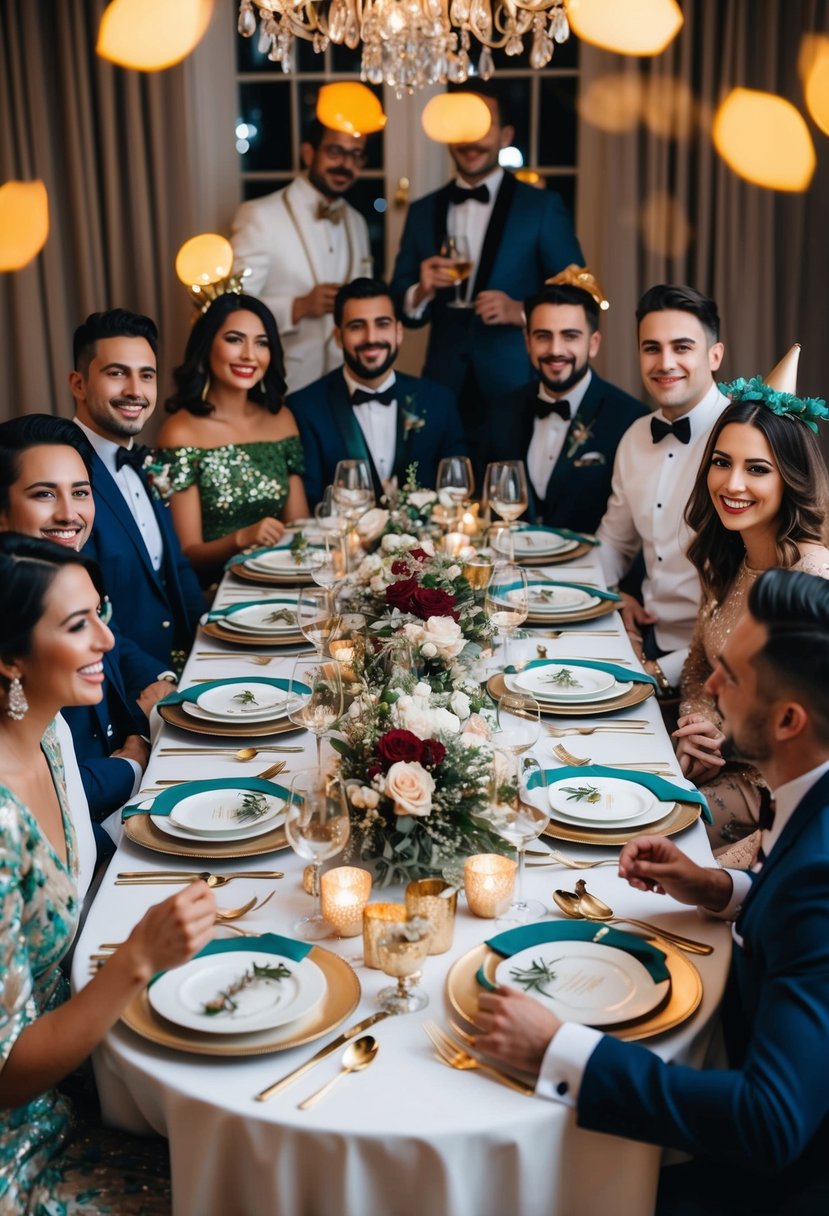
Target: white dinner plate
194, 711
544, 599
594, 985
179, 995
256, 619
282, 561
532, 542
621, 803
223, 703
617, 689
216, 813
545, 682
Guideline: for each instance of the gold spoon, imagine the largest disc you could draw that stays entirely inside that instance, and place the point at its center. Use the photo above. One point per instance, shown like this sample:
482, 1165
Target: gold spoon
356, 1057
577, 908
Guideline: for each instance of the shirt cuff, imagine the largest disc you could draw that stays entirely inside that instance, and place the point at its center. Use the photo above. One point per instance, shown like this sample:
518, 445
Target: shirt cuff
137, 771
566, 1057
740, 887
415, 311
672, 665
170, 676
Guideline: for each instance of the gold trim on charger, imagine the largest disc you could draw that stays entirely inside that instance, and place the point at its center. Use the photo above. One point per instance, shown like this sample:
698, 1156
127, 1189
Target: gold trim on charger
141, 830
214, 630
300, 579
462, 991
680, 817
342, 995
562, 619
556, 559
174, 715
496, 687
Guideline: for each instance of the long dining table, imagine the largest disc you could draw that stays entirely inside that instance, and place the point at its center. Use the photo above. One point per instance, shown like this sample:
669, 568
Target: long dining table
407, 1135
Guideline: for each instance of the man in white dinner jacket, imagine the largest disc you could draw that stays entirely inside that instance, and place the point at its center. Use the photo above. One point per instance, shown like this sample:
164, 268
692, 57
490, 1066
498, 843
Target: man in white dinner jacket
301, 244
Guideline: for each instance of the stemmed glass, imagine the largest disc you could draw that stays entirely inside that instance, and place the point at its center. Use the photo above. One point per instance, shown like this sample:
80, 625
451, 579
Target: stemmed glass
315, 697
505, 489
317, 826
353, 493
457, 249
401, 955
507, 601
331, 568
455, 482
319, 625
327, 514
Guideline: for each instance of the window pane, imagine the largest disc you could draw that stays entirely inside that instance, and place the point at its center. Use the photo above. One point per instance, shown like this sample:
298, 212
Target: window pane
262, 186
557, 121
267, 108
565, 185
363, 195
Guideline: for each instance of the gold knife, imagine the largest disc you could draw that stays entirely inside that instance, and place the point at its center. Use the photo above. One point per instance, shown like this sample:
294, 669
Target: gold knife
334, 1045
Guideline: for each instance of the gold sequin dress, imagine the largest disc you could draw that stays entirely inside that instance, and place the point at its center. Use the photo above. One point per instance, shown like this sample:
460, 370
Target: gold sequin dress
239, 483
734, 795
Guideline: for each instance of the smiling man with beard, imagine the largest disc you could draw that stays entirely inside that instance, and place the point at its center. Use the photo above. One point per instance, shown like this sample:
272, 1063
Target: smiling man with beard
366, 410
567, 424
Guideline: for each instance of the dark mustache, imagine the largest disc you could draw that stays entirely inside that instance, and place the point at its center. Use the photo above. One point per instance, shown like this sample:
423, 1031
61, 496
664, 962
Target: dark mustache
130, 401
372, 346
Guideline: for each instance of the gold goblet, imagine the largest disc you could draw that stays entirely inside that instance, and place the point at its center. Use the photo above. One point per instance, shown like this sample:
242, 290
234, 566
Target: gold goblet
401, 954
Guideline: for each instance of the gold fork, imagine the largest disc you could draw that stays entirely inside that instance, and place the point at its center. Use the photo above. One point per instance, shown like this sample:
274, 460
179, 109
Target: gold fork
271, 771
454, 1056
261, 660
552, 857
579, 761
631, 726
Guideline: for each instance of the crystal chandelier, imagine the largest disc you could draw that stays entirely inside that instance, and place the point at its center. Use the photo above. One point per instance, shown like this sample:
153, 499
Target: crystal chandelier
409, 43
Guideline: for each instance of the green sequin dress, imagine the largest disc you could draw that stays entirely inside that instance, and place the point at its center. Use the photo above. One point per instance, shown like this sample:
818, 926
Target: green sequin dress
99, 1171
239, 483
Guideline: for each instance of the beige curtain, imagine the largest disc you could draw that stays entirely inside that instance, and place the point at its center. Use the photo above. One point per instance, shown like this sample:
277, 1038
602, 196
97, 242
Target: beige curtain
656, 203
134, 164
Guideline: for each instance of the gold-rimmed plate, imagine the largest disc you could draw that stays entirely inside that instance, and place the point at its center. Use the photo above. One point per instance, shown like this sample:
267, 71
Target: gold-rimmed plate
214, 630
174, 715
554, 559
462, 991
564, 618
342, 996
680, 817
141, 830
301, 578
496, 687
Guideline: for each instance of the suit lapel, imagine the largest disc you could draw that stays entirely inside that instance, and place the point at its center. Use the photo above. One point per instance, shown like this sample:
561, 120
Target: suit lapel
354, 443
583, 418
104, 487
401, 449
494, 232
811, 805
440, 213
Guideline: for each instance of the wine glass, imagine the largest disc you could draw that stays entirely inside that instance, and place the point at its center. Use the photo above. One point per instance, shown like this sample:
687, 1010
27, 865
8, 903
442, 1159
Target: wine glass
507, 601
315, 697
317, 826
352, 489
457, 248
505, 490
514, 818
455, 482
331, 567
318, 624
327, 514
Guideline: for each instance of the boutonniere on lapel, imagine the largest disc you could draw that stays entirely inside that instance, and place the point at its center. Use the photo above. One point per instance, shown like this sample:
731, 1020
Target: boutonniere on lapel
412, 421
578, 436
159, 479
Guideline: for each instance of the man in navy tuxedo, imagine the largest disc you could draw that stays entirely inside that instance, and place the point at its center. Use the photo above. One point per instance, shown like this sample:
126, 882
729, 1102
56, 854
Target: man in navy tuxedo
154, 591
566, 424
518, 236
758, 1130
366, 410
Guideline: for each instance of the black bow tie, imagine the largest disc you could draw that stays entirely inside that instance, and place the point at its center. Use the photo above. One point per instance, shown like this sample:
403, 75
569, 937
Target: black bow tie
766, 811
360, 396
458, 196
134, 456
543, 408
681, 429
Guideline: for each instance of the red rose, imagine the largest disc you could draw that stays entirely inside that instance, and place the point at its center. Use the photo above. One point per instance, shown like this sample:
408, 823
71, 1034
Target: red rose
431, 601
433, 753
401, 567
399, 745
419, 555
399, 594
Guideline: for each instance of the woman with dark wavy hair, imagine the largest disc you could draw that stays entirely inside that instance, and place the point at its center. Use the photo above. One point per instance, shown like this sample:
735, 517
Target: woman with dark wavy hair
232, 447
760, 500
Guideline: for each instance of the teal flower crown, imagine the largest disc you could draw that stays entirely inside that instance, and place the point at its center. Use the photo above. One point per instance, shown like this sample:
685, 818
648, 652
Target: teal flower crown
810, 410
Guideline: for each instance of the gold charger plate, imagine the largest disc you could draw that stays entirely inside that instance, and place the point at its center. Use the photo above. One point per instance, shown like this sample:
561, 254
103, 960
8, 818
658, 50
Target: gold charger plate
141, 830
562, 619
302, 578
496, 687
214, 630
174, 715
462, 991
342, 995
680, 817
557, 559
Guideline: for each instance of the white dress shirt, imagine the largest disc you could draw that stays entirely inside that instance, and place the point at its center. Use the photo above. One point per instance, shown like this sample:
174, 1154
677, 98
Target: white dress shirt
470, 220
567, 1055
378, 423
652, 483
549, 434
133, 491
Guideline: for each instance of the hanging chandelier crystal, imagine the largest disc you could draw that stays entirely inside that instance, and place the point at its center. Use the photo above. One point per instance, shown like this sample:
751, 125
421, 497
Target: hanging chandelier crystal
408, 44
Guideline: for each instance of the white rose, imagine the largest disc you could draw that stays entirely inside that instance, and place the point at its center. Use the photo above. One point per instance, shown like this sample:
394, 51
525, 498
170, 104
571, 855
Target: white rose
414, 714
459, 704
422, 498
423, 690
391, 542
368, 566
410, 788
453, 572
445, 634
427, 546
371, 525
476, 725
378, 583
445, 723
429, 650
414, 632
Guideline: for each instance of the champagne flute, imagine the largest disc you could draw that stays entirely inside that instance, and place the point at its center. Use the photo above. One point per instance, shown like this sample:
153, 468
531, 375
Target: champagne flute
318, 624
353, 492
505, 489
515, 819
457, 248
507, 601
455, 483
317, 826
315, 697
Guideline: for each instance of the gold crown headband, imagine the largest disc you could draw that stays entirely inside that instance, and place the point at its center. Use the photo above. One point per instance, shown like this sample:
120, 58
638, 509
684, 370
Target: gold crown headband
579, 276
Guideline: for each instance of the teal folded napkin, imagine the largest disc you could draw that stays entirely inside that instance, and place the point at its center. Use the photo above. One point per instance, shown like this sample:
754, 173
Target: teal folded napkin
215, 613
513, 941
195, 690
267, 943
664, 790
163, 803
551, 582
241, 558
584, 538
612, 669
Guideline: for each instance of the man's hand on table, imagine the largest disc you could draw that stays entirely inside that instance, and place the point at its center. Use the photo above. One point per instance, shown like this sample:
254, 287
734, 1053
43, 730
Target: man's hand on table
635, 617
653, 863
516, 1028
135, 748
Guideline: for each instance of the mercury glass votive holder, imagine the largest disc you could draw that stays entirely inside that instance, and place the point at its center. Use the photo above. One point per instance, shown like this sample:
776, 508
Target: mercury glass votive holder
376, 921
437, 902
488, 882
344, 892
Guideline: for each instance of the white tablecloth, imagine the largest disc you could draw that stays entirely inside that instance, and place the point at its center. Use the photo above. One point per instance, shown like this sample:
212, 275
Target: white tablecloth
408, 1135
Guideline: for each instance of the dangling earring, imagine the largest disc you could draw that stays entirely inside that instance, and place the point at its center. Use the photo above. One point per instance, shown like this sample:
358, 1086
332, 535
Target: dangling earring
18, 705
206, 388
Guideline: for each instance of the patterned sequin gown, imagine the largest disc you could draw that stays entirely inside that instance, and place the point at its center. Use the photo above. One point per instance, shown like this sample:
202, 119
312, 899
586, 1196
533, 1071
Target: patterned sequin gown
239, 483
734, 795
48, 1165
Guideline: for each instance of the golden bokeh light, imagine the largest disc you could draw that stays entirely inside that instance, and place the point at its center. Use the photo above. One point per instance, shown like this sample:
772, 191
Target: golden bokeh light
764, 139
24, 223
150, 35
350, 107
456, 118
637, 27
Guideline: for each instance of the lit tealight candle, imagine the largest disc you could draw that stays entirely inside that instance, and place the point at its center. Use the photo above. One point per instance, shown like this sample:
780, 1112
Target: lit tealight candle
454, 543
344, 892
488, 881
469, 524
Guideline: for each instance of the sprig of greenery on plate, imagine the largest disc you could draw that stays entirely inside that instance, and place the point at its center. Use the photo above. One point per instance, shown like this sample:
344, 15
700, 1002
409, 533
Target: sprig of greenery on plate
223, 1002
